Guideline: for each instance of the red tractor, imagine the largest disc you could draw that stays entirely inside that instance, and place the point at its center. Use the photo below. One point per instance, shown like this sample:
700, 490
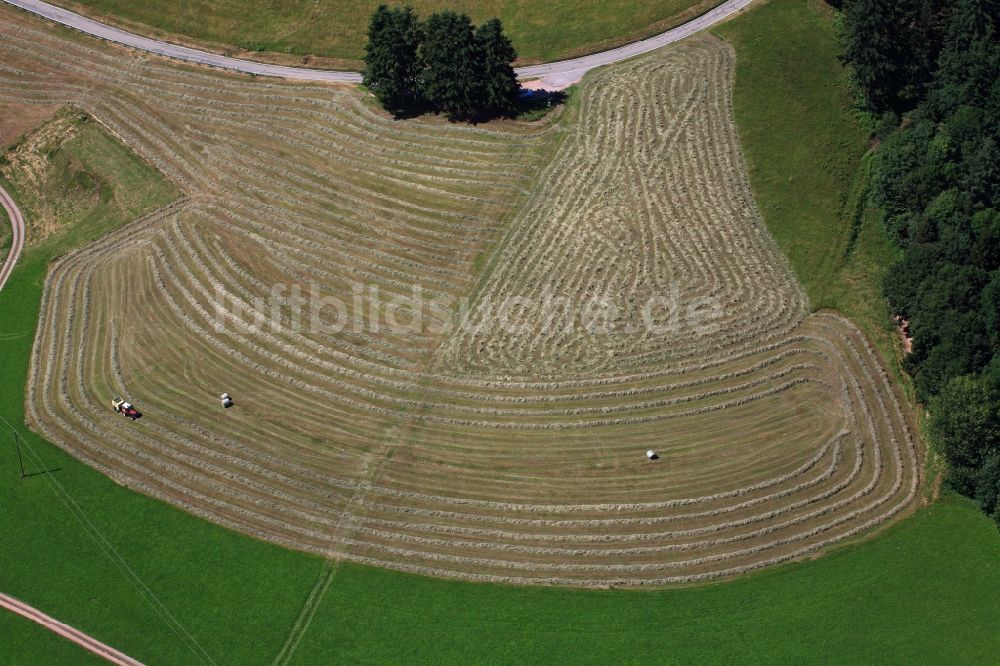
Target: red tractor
125, 408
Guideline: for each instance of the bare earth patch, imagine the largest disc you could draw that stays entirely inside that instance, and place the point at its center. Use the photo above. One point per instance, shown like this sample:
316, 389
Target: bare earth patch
904, 332
18, 119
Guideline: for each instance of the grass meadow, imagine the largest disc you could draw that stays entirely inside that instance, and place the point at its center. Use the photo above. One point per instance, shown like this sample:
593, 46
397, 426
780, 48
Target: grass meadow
806, 155
6, 238
541, 31
925, 590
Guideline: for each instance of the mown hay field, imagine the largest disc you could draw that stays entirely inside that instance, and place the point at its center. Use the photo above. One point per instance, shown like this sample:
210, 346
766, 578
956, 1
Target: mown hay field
493, 453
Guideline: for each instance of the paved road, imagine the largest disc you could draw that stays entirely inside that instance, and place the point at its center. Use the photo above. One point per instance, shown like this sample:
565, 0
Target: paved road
83, 640
17, 223
554, 75
558, 75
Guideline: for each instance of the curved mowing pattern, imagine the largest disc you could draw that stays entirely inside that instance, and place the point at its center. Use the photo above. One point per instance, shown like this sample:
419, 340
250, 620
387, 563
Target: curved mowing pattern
647, 197
485, 457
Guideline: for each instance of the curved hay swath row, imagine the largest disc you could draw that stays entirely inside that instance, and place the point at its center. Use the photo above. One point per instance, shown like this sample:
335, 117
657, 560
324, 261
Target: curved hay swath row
651, 199
479, 455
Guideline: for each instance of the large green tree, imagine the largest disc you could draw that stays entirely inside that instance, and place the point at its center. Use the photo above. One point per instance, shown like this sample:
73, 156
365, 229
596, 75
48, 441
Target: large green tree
874, 49
391, 63
969, 64
988, 487
893, 46
451, 80
965, 425
500, 86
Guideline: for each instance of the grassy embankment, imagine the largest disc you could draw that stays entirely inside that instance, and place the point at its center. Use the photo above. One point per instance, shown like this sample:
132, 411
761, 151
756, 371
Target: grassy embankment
541, 31
806, 155
925, 590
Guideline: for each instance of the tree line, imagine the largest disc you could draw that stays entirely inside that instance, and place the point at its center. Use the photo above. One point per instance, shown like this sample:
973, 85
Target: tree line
928, 73
443, 64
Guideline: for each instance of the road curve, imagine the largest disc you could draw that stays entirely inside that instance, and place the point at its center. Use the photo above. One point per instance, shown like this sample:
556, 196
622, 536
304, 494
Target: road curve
83, 640
553, 75
558, 75
17, 224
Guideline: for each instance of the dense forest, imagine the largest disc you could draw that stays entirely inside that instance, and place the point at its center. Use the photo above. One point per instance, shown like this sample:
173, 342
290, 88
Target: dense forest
928, 73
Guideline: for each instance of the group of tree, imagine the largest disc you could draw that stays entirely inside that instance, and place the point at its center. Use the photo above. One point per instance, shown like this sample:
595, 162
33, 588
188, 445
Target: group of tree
930, 70
443, 64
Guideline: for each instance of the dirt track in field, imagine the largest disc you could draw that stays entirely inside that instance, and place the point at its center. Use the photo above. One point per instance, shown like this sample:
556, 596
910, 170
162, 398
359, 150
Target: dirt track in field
17, 238
92, 645
491, 453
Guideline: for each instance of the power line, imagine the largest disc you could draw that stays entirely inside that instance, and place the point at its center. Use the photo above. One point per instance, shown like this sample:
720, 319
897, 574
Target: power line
112, 553
17, 445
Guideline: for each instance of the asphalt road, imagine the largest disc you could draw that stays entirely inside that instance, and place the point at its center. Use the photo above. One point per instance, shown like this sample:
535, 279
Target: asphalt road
555, 75
558, 75
17, 223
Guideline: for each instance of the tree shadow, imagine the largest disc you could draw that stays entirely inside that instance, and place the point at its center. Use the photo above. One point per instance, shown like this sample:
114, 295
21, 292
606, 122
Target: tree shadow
28, 475
531, 105
534, 104
414, 108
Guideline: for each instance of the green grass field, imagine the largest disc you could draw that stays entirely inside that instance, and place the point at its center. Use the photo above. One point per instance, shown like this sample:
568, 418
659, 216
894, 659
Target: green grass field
926, 590
541, 31
27, 644
922, 592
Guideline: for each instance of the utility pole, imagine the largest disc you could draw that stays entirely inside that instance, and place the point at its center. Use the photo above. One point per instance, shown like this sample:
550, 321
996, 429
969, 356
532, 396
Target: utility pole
17, 445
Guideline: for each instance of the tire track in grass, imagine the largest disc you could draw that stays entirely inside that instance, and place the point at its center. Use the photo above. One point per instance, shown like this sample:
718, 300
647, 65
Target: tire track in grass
331, 565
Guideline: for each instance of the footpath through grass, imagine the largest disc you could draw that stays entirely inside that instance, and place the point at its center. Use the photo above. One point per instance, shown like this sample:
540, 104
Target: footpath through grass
541, 31
24, 643
926, 590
